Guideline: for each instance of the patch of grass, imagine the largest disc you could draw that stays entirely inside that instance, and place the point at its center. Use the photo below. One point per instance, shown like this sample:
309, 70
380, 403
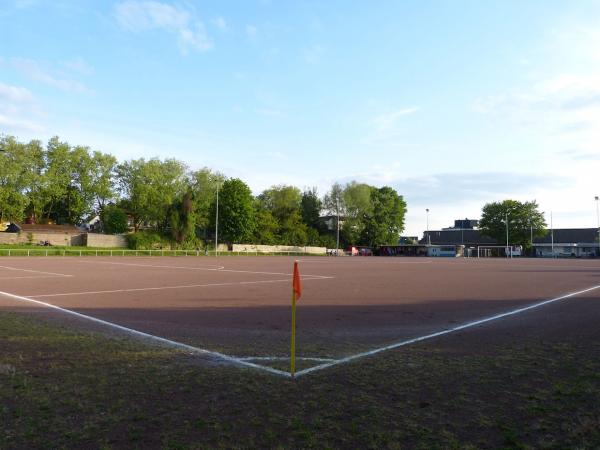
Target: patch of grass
65, 388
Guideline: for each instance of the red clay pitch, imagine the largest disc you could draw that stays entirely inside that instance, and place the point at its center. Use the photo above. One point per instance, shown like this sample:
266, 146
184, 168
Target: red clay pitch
241, 305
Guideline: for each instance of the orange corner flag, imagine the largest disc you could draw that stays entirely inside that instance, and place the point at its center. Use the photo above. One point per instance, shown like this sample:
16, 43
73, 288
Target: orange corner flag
296, 281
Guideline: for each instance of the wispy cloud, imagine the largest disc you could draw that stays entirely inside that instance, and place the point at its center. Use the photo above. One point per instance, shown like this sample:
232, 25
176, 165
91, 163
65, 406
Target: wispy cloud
220, 23
140, 16
270, 112
18, 109
387, 122
79, 65
313, 54
251, 31
34, 71
14, 94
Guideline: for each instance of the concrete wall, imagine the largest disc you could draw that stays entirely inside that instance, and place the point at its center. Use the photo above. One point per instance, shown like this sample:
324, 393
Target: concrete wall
105, 240
36, 238
277, 248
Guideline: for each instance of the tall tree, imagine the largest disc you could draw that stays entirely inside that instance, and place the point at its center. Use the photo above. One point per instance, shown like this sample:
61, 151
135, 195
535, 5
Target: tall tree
204, 183
358, 201
524, 220
150, 188
311, 206
386, 222
236, 212
16, 172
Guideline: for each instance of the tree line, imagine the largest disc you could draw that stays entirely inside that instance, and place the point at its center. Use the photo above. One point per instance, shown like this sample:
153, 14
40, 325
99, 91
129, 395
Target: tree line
64, 184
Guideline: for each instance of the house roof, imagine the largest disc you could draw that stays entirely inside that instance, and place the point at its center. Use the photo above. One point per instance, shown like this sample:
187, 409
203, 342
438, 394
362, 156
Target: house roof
41, 228
457, 237
569, 235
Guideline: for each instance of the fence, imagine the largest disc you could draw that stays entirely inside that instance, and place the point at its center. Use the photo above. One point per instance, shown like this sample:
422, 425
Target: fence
82, 252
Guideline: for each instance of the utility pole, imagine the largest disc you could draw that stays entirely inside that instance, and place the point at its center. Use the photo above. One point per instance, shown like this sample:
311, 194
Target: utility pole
337, 241
552, 233
507, 249
428, 237
598, 219
217, 224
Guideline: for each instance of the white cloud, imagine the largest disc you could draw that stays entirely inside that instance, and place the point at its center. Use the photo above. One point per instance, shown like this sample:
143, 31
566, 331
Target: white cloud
251, 31
13, 125
14, 94
220, 23
388, 121
140, 16
18, 110
79, 65
32, 70
313, 54
270, 112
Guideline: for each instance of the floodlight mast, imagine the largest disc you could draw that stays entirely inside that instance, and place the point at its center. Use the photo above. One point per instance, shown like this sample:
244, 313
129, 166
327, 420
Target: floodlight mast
217, 224
337, 241
428, 242
598, 221
507, 249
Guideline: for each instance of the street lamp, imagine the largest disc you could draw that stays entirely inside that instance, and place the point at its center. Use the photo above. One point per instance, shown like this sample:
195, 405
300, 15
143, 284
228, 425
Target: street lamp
428, 237
598, 219
337, 241
217, 225
507, 249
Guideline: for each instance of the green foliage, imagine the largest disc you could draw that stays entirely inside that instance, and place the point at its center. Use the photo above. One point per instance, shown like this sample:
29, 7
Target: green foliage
59, 183
203, 184
236, 212
523, 220
386, 221
311, 206
183, 224
146, 240
150, 188
114, 220
267, 227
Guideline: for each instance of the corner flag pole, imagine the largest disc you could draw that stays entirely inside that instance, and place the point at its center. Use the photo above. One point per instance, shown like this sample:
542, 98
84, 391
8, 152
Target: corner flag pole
296, 294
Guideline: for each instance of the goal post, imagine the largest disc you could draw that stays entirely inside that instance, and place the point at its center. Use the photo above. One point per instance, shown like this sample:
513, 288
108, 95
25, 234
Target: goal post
498, 251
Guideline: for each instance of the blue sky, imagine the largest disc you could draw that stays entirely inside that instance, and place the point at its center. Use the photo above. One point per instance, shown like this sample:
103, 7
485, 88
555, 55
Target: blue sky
453, 103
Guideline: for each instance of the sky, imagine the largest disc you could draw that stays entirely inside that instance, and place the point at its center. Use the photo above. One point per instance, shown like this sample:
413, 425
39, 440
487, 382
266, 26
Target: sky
453, 103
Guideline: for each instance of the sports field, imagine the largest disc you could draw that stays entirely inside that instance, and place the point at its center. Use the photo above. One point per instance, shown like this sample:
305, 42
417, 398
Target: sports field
192, 352
240, 307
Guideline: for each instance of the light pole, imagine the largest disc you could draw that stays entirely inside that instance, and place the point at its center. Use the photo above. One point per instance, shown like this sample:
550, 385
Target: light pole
598, 221
217, 225
428, 237
552, 233
337, 240
507, 249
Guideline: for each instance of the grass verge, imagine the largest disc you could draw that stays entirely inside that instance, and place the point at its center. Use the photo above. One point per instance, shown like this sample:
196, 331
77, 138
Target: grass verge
65, 388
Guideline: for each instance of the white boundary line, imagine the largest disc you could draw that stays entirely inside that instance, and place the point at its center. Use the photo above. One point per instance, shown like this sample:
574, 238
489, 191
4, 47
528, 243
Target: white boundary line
34, 276
218, 269
441, 333
246, 360
160, 288
168, 342
36, 271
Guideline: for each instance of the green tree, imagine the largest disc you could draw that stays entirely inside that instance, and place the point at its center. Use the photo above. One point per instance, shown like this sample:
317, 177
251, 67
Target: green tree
358, 201
150, 187
236, 212
16, 171
102, 178
267, 228
204, 183
183, 223
386, 222
114, 219
311, 206
524, 219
